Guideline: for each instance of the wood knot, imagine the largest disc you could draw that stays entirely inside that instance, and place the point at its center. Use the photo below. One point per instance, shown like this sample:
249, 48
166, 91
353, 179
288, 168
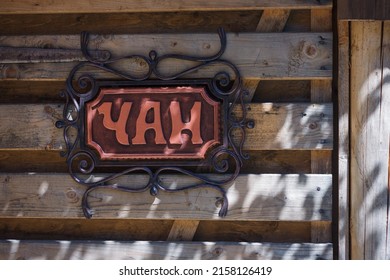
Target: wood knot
217, 251
72, 196
206, 46
313, 125
310, 51
49, 110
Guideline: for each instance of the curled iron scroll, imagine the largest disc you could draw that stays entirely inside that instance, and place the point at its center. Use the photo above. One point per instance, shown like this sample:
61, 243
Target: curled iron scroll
225, 160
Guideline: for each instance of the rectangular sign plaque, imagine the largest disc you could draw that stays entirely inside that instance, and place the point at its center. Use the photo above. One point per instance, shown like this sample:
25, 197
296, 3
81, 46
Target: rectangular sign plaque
153, 123
163, 123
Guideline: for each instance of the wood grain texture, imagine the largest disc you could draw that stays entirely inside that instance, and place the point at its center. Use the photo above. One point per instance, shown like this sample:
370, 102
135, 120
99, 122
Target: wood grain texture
277, 161
129, 23
30, 92
84, 229
363, 10
370, 138
343, 142
273, 21
60, 7
299, 21
251, 197
257, 55
143, 250
283, 91
385, 91
151, 230
183, 230
270, 21
250, 231
321, 231
277, 126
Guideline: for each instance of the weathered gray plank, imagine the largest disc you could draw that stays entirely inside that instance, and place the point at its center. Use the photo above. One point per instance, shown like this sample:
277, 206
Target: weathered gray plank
251, 197
143, 250
277, 126
257, 55
136, 6
370, 138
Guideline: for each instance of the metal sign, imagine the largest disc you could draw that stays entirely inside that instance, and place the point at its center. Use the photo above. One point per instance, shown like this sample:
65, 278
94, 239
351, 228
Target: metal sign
154, 123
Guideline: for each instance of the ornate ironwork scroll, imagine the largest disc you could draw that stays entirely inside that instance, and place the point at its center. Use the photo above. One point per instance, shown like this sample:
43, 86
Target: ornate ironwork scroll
83, 92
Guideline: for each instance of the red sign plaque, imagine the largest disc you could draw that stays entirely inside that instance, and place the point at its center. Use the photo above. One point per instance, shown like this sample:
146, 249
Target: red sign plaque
152, 123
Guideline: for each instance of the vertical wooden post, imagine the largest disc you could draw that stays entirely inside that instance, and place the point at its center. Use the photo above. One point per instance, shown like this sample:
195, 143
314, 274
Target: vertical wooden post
343, 143
370, 127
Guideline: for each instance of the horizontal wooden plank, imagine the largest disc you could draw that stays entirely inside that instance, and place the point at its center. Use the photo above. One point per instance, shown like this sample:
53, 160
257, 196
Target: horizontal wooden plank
251, 197
277, 126
136, 6
257, 55
144, 250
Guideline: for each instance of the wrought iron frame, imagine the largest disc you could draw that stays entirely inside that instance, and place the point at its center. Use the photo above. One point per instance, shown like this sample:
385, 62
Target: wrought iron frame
81, 88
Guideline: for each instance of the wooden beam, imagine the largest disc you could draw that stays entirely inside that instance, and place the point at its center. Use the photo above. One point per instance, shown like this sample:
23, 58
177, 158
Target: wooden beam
343, 143
144, 250
370, 138
251, 197
277, 126
273, 21
136, 6
257, 55
270, 21
183, 230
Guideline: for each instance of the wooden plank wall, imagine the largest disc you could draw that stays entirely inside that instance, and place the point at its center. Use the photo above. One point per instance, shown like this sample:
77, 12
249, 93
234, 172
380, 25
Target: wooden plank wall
280, 206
